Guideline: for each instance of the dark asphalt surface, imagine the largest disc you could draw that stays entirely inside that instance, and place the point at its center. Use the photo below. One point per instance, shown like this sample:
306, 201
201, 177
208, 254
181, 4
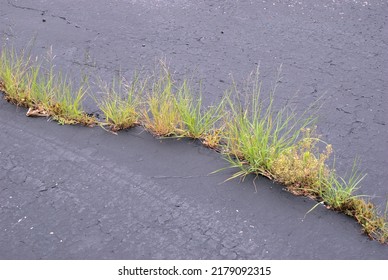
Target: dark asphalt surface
77, 193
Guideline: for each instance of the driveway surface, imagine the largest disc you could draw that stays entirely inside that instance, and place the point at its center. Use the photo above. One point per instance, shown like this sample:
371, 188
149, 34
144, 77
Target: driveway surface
69, 192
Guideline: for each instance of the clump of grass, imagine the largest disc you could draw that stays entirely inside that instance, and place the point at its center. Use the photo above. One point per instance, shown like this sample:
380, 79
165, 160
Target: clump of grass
302, 166
26, 83
374, 224
172, 110
66, 106
122, 113
213, 139
338, 193
41, 87
199, 123
14, 69
161, 116
256, 136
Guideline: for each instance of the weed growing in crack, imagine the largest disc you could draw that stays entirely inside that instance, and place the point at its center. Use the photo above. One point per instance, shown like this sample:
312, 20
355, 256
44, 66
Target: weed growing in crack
26, 83
161, 116
256, 135
338, 193
122, 112
302, 166
199, 122
14, 69
66, 107
172, 110
374, 224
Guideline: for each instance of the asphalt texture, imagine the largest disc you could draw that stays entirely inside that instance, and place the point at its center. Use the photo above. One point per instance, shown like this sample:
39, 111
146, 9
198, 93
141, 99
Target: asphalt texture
69, 192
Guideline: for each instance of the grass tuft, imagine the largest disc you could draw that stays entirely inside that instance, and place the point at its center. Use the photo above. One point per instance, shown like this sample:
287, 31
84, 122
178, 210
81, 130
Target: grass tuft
122, 113
26, 83
256, 136
337, 191
302, 166
374, 224
199, 123
161, 116
14, 68
66, 106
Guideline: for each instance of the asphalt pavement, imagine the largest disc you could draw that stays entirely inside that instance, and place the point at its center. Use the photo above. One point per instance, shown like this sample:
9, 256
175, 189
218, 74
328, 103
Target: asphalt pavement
70, 192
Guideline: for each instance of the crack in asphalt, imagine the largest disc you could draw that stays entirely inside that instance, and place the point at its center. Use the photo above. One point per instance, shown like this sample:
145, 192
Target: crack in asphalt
91, 65
26, 8
44, 12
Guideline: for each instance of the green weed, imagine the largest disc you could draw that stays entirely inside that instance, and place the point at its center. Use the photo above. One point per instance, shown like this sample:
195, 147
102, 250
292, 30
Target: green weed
122, 113
26, 83
199, 123
161, 116
337, 191
66, 106
14, 70
339, 194
373, 223
256, 135
302, 166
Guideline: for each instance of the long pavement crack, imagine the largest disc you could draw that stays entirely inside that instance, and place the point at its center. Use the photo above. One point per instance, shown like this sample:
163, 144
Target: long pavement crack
44, 12
25, 8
